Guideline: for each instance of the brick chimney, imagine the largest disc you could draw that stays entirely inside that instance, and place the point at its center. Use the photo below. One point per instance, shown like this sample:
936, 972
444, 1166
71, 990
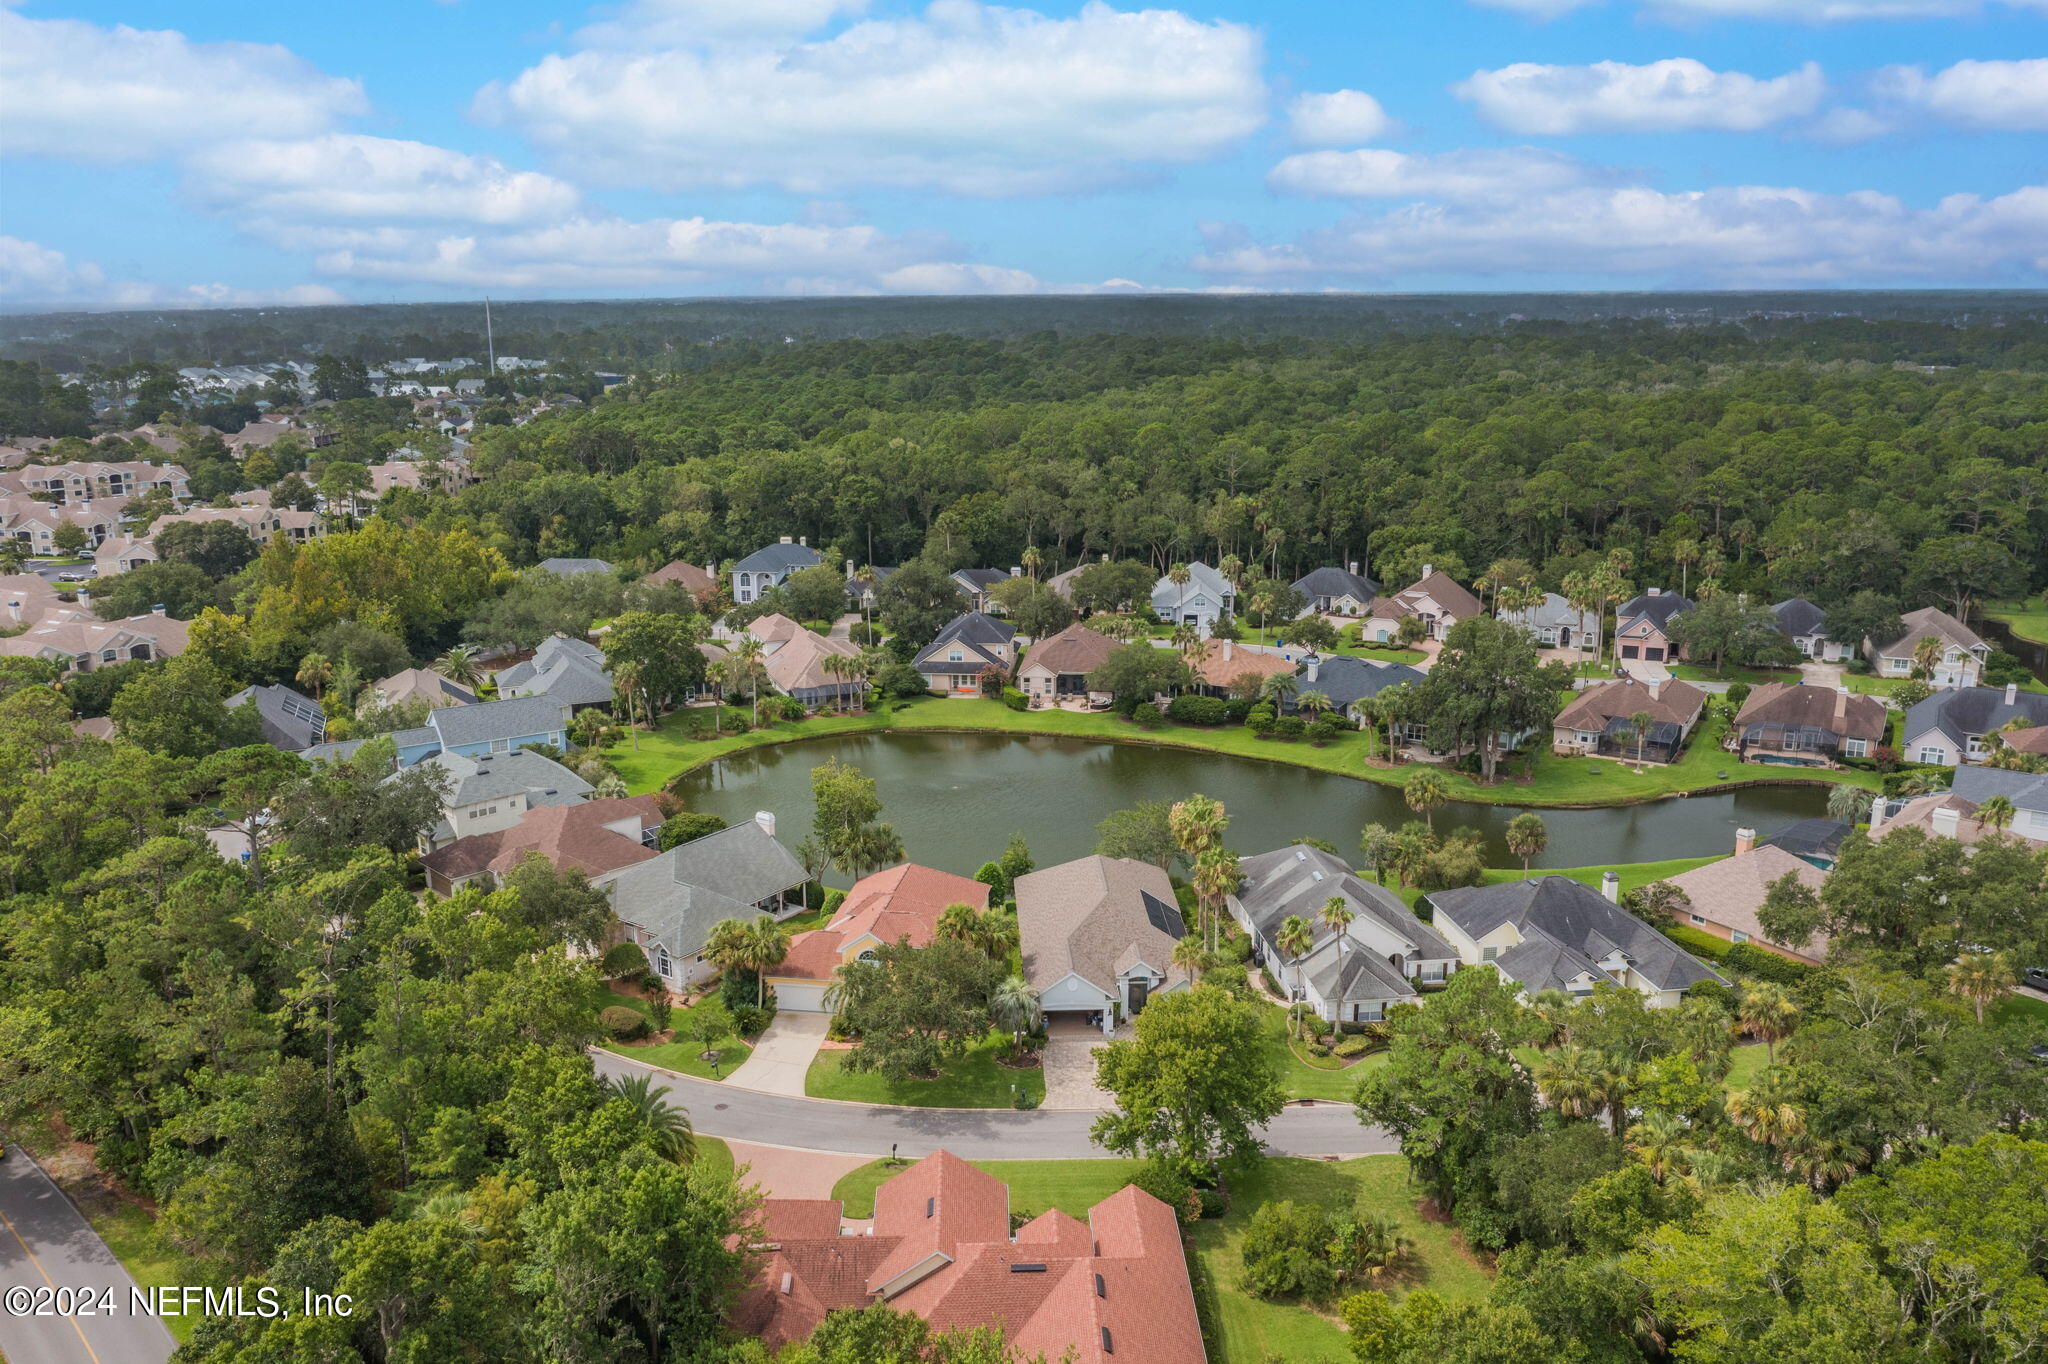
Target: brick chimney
1745, 839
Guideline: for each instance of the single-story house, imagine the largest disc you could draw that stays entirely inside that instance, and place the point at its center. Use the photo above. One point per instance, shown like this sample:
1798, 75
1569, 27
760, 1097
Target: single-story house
1205, 598
1961, 725
1600, 720
901, 904
1337, 591
565, 670
1556, 623
1111, 1290
1348, 681
570, 568
1383, 955
592, 836
1799, 724
796, 668
1806, 625
1059, 666
1642, 627
1218, 663
1953, 813
418, 684
1724, 896
1959, 662
701, 583
286, 719
669, 903
770, 567
1435, 599
975, 583
968, 643
1098, 935
1554, 933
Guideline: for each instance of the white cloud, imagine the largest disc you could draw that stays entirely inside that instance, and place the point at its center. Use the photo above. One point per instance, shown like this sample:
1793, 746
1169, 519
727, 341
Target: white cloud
967, 97
34, 274
678, 23
2007, 95
1475, 174
1791, 11
80, 91
1678, 94
1341, 118
347, 175
1744, 236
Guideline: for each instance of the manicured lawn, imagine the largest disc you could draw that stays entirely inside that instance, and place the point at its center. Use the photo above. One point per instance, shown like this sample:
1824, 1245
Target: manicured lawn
684, 1054
1309, 1077
1698, 672
714, 1154
1633, 874
2014, 1007
1382, 653
1247, 1330
1746, 1063
2028, 619
1884, 686
1556, 781
973, 1081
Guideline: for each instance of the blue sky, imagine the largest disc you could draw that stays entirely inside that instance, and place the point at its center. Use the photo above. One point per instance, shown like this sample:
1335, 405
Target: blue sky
416, 149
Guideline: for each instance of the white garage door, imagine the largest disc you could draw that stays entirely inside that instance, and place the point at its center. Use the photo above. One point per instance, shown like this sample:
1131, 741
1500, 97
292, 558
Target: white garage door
801, 999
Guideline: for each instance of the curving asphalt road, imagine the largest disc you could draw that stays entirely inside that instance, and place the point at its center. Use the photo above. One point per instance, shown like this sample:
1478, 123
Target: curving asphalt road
720, 1110
46, 1243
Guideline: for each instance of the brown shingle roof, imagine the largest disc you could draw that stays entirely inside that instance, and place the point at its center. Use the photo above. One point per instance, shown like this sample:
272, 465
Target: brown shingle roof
1798, 703
1730, 891
1076, 649
1674, 702
1090, 917
688, 575
1445, 590
2030, 740
1222, 662
567, 835
1929, 621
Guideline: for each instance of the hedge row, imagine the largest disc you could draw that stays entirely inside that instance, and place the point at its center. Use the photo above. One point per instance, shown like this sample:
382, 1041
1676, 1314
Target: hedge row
1744, 958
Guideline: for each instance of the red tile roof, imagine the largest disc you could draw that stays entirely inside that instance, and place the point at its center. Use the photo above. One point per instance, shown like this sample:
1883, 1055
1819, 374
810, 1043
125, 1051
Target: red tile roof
903, 902
567, 835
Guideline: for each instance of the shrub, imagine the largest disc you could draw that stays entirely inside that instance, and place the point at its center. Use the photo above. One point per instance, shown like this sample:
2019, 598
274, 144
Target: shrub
1288, 727
1237, 708
865, 635
1214, 1202
1350, 1047
687, 827
1199, 710
749, 1021
834, 897
1167, 1184
1752, 960
1714, 990
1025, 1100
736, 989
1318, 1049
626, 959
1260, 723
1738, 693
622, 1023
1015, 700
1286, 1251
1698, 943
1320, 731
1147, 716
659, 1010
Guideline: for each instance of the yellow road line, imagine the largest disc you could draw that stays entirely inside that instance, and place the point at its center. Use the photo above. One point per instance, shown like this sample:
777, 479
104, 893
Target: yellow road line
90, 1352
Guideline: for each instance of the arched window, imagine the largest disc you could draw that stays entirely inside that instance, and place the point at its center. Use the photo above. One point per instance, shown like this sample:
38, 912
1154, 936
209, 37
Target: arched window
662, 965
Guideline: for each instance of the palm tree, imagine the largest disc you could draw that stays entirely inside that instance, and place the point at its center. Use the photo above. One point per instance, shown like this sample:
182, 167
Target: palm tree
1185, 636
1996, 811
1014, 1008
1848, 804
728, 945
1279, 688
1685, 553
1197, 824
872, 847
1336, 915
1926, 654
1033, 560
1216, 875
611, 786
1314, 702
459, 665
1641, 722
315, 671
1527, 836
956, 921
1765, 1114
1822, 1161
626, 679
767, 946
1424, 792
1981, 977
1412, 845
1191, 956
1376, 845
1295, 937
1922, 781
668, 1123
1767, 1012
1372, 1245
839, 667
1179, 576
1232, 569
1556, 1009
1662, 1142
746, 651
1570, 1078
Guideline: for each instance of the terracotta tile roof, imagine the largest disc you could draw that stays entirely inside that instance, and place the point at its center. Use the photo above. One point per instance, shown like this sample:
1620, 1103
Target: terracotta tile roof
1076, 649
903, 902
1729, 891
2030, 740
933, 1207
1224, 661
1798, 703
1673, 702
567, 835
799, 1219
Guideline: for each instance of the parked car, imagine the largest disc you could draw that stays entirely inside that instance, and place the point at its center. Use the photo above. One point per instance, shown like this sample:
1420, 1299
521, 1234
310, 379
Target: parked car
74, 577
2035, 977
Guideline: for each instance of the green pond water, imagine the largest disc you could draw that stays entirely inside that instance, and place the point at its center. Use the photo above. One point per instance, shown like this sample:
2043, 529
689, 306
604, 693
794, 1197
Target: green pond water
957, 798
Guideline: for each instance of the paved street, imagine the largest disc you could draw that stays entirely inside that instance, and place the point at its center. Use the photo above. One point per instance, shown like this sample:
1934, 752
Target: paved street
44, 1243
719, 1110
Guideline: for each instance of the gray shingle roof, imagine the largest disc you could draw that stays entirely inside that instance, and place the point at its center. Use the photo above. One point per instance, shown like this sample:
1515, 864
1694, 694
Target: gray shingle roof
490, 776
1797, 616
979, 579
1337, 582
1345, 679
570, 671
978, 627
569, 567
1659, 608
680, 896
1972, 710
779, 558
1566, 928
2026, 790
1166, 596
551, 650
490, 720
287, 720
1297, 880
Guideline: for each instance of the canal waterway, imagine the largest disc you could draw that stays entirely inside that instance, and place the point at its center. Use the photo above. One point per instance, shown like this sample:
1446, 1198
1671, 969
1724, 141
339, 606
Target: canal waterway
956, 798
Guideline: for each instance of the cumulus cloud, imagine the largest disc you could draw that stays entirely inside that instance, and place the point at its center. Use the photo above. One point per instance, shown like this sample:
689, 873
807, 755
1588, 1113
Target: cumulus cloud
86, 92
1791, 11
678, 23
347, 175
966, 97
1341, 118
2006, 95
1740, 236
1475, 174
1675, 95
32, 274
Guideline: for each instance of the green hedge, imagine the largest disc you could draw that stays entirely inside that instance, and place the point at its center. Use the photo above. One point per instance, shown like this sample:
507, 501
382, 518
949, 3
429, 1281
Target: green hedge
1698, 943
1752, 960
1014, 699
834, 897
1199, 710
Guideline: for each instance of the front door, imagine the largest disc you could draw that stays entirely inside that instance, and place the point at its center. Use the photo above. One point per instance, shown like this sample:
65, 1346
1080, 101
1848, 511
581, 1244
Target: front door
1139, 991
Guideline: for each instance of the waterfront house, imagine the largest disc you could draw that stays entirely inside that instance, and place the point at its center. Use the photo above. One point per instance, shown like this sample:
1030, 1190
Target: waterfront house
1960, 726
1098, 935
1600, 720
1959, 652
1205, 598
945, 1245
591, 836
1435, 599
1059, 666
669, 903
1556, 624
1554, 933
484, 728
770, 567
796, 664
1806, 625
1642, 627
487, 792
1333, 591
1349, 682
1384, 955
1218, 664
968, 643
1799, 724
900, 905
1953, 813
285, 719
1723, 897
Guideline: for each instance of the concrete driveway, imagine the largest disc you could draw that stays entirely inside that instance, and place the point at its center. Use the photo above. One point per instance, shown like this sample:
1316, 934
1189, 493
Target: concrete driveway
783, 1055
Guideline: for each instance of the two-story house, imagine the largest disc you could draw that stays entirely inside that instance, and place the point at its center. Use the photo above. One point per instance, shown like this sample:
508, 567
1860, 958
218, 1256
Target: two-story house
78, 641
969, 643
1436, 599
1957, 655
490, 792
1960, 726
1642, 627
1556, 624
1205, 598
770, 567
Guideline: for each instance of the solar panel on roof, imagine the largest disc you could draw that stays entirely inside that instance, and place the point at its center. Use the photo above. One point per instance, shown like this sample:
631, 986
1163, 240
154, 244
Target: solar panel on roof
1163, 917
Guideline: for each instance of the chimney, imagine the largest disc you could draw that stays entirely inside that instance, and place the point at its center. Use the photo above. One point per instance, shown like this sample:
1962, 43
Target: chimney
1016, 571
1610, 886
1745, 839
84, 597
1945, 819
1427, 569
1878, 807
1311, 664
766, 819
804, 541
785, 539
2012, 693
1656, 687
849, 568
1229, 649
157, 610
1656, 591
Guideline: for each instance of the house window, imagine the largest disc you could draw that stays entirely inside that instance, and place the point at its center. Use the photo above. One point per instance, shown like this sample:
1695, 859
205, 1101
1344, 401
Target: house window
1488, 953
1931, 754
1737, 935
662, 964
1432, 973
1696, 919
1855, 748
501, 745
